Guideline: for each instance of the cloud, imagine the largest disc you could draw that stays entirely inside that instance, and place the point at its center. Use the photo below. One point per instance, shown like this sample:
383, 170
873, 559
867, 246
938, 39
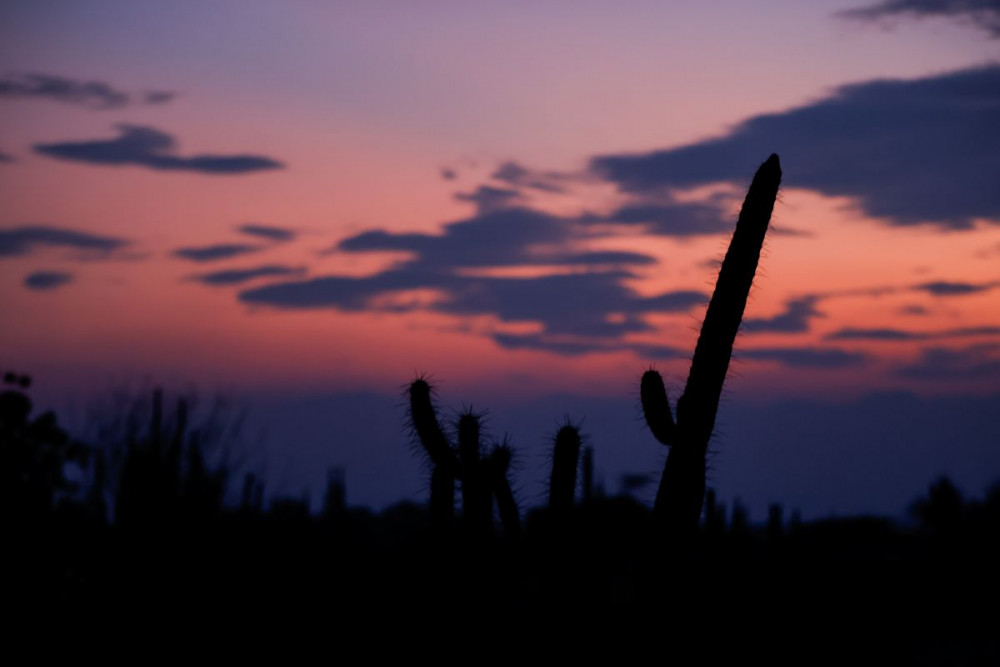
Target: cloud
984, 14
47, 280
158, 96
212, 253
805, 357
90, 94
907, 151
507, 237
973, 362
21, 241
5, 158
536, 342
795, 318
449, 174
572, 348
851, 333
267, 232
580, 298
887, 334
519, 176
238, 276
670, 219
488, 199
148, 147
942, 288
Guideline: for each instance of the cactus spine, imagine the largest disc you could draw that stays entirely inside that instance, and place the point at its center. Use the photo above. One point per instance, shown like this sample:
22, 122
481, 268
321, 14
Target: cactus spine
682, 487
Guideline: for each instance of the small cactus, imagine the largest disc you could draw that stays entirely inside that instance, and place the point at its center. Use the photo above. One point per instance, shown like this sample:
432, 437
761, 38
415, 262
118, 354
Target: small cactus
424, 422
499, 464
565, 460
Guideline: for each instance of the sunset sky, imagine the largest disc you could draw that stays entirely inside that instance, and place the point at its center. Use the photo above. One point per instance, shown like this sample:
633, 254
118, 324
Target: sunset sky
303, 205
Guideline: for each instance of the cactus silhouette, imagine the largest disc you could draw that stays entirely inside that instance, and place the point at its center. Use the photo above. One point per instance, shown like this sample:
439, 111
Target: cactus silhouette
565, 460
483, 477
499, 464
444, 463
682, 486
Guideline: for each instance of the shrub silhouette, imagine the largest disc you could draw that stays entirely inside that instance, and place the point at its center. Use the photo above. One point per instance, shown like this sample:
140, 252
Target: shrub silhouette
165, 479
682, 486
33, 455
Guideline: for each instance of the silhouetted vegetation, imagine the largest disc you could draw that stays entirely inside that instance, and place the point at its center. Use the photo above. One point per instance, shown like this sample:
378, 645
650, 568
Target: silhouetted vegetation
145, 525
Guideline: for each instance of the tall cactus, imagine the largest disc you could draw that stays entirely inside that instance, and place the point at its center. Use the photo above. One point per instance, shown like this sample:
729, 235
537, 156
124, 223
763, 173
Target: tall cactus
682, 487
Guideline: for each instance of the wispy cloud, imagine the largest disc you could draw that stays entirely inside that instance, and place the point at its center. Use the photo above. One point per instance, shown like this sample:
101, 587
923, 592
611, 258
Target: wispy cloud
267, 232
216, 252
89, 94
984, 14
47, 280
968, 363
889, 334
519, 176
21, 241
240, 276
795, 318
151, 148
805, 357
944, 288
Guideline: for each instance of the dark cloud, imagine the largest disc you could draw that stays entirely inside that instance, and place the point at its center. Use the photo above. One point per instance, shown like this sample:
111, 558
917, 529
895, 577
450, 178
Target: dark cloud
908, 151
508, 237
519, 176
158, 96
795, 318
238, 276
538, 342
586, 310
983, 14
213, 253
47, 280
267, 232
89, 94
974, 362
488, 199
23, 240
851, 333
805, 357
5, 158
449, 174
148, 147
588, 304
572, 348
779, 230
942, 288
671, 219
914, 309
